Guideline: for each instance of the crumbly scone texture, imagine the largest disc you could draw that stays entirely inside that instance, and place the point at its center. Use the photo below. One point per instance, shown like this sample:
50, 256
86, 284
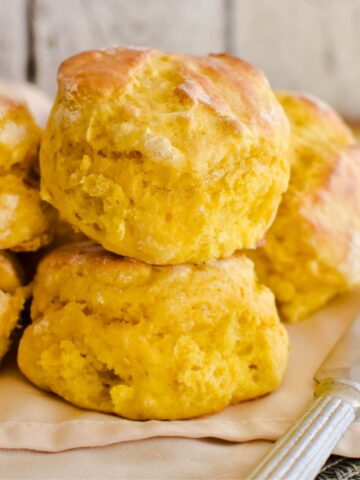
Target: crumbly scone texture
165, 158
311, 252
151, 342
12, 299
25, 220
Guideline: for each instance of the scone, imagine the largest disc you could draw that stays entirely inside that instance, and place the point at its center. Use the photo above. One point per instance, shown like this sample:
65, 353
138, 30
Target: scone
312, 251
12, 299
151, 342
25, 220
165, 158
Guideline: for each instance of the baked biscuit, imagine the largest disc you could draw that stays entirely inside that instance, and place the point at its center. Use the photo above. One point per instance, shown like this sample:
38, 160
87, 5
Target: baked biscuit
165, 158
151, 342
12, 299
24, 218
311, 252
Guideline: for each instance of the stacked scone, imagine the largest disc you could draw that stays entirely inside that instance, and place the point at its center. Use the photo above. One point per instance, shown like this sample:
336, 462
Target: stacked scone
25, 220
173, 164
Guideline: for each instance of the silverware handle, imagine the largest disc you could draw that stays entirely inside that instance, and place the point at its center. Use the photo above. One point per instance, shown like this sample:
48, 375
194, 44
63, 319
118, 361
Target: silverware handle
301, 452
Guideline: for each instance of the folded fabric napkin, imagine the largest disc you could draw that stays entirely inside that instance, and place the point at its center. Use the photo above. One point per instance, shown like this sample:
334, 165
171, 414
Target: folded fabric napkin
32, 419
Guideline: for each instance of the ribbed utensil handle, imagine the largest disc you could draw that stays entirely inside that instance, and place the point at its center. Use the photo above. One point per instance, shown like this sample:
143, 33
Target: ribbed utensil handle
301, 452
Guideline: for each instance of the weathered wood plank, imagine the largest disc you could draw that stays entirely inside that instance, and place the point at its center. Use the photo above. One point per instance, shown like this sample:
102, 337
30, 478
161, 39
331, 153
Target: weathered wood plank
64, 27
13, 39
308, 45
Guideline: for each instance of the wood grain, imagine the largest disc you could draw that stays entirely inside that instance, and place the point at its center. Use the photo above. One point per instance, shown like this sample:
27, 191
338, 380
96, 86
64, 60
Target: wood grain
62, 28
307, 45
13, 39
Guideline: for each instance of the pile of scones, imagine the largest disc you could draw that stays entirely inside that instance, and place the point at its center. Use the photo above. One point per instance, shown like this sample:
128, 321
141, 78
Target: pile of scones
181, 212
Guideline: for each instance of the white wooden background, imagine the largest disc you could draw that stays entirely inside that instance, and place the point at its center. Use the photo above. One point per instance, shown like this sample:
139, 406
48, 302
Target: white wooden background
307, 45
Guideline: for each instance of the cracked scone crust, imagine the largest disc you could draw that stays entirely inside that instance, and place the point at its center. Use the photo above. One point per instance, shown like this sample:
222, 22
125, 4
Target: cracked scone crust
165, 158
312, 250
12, 299
25, 220
145, 342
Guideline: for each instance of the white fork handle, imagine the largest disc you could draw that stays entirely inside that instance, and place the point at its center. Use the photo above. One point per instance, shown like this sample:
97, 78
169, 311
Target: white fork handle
301, 452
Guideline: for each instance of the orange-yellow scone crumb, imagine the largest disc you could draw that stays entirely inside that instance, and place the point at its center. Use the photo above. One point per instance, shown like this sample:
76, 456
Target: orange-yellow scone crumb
146, 342
165, 158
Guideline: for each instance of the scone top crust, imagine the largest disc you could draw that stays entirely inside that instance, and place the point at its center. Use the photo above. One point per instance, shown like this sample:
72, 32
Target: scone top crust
87, 256
235, 90
101, 279
19, 136
90, 255
309, 113
101, 71
317, 133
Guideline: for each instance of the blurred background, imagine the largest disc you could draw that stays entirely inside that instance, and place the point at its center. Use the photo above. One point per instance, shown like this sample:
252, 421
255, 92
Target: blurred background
303, 45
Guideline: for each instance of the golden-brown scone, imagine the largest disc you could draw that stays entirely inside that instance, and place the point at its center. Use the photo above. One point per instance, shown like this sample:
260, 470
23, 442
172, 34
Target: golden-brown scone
312, 252
25, 220
165, 158
151, 342
12, 299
